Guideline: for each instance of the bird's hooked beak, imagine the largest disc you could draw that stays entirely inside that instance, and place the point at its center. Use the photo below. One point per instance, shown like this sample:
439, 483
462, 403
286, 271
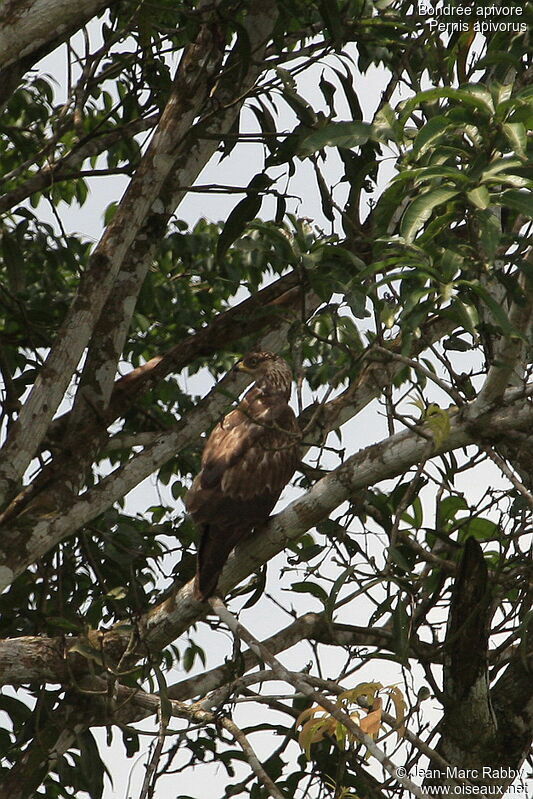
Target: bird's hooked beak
240, 367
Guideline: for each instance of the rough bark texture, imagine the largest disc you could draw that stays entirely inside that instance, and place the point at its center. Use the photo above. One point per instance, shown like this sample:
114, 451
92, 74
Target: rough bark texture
483, 726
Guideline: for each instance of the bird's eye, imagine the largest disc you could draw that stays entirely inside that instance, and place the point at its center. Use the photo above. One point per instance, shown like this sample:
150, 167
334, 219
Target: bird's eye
253, 362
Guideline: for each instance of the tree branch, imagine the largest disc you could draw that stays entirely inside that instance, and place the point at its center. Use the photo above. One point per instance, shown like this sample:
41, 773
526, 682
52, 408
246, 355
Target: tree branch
332, 708
199, 63
34, 659
63, 169
27, 28
510, 351
387, 459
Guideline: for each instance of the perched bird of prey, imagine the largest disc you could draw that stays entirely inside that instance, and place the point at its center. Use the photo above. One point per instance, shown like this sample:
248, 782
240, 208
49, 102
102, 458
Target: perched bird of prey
247, 460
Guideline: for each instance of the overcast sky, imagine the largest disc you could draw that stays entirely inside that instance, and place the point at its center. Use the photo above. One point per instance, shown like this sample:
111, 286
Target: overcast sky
368, 427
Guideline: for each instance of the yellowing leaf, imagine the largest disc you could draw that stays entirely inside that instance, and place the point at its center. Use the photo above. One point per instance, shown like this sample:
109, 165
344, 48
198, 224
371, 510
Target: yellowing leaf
369, 689
307, 713
372, 722
317, 723
439, 423
399, 709
313, 731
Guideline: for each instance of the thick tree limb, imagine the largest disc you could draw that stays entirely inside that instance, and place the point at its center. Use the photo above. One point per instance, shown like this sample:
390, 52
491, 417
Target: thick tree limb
512, 701
470, 736
90, 415
41, 523
387, 459
302, 686
28, 27
250, 316
22, 545
34, 659
232, 87
507, 360
199, 62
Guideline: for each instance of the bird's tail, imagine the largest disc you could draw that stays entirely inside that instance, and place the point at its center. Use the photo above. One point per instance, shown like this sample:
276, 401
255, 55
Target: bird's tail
215, 546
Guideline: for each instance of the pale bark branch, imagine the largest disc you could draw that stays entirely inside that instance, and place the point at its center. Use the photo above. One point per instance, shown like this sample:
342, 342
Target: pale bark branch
375, 463
507, 358
34, 659
200, 61
232, 87
381, 461
65, 167
274, 302
331, 707
277, 303
49, 525
27, 27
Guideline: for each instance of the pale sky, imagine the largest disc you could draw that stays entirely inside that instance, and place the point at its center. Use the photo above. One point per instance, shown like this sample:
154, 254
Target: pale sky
367, 428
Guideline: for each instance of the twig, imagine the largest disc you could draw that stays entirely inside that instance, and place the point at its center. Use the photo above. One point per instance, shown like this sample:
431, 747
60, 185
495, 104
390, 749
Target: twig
236, 627
500, 463
252, 759
150, 777
193, 713
402, 507
396, 356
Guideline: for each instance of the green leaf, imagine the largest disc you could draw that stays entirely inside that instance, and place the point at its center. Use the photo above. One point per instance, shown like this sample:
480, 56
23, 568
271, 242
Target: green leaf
472, 96
246, 210
466, 314
481, 529
521, 201
63, 624
110, 212
479, 197
131, 742
497, 311
401, 630
449, 507
166, 705
438, 421
190, 654
399, 559
310, 588
499, 165
478, 95
299, 105
456, 344
501, 93
335, 134
352, 98
450, 264
419, 211
341, 580
331, 16
91, 764
14, 261
385, 124
431, 172
15, 709
328, 90
489, 232
417, 511
430, 134
516, 135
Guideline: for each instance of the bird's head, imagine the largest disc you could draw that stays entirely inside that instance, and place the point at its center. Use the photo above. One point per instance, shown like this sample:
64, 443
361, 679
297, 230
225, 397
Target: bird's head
271, 372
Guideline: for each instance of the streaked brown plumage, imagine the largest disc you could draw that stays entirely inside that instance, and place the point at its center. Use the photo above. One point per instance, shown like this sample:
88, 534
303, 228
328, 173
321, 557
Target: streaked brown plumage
248, 459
